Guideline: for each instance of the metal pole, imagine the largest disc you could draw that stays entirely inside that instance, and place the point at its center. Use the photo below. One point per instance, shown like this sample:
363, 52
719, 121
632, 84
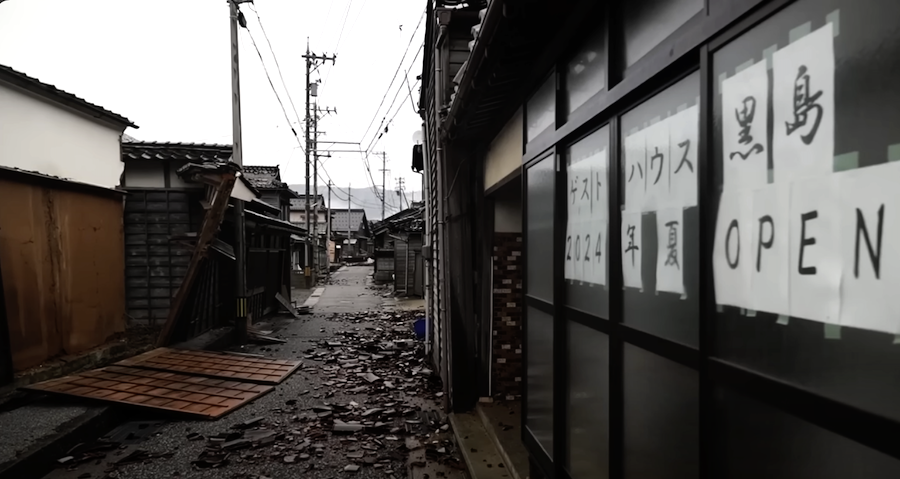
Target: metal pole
383, 174
241, 319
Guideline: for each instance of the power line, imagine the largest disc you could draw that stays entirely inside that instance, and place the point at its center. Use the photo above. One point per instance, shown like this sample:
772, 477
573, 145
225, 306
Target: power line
356, 19
275, 57
411, 38
272, 84
393, 102
399, 107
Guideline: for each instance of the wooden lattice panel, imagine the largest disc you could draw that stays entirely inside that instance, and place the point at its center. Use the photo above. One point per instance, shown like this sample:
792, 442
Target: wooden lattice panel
208, 398
216, 365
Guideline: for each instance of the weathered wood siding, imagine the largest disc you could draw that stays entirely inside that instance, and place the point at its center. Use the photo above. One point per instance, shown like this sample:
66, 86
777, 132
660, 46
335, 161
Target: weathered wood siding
63, 269
155, 265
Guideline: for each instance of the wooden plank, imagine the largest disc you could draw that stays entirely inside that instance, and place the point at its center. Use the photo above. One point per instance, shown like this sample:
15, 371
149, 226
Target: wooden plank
207, 398
284, 302
211, 222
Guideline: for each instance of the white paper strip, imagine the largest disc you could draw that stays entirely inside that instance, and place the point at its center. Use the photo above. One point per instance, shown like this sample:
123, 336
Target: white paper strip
815, 249
770, 246
658, 172
803, 107
635, 171
684, 131
732, 259
631, 250
870, 204
745, 117
670, 250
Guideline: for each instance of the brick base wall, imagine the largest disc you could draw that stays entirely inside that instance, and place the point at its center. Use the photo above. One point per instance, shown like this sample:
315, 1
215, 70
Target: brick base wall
507, 315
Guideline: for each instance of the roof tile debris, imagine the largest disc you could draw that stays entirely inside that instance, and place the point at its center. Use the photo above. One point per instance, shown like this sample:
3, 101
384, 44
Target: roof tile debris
193, 152
408, 220
21, 80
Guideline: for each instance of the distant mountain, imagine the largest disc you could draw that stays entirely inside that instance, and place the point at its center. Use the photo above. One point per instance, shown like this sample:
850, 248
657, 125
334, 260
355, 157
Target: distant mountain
365, 198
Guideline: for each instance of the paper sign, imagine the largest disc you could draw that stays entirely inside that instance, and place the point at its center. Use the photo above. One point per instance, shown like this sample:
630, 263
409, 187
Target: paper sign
578, 251
745, 118
635, 171
731, 258
803, 107
631, 250
770, 246
657, 166
815, 249
599, 251
684, 129
870, 227
670, 250
600, 186
569, 268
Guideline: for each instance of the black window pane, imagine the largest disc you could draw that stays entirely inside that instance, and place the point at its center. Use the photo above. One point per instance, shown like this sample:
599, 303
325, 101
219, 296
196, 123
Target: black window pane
588, 427
539, 414
662, 418
755, 441
586, 71
587, 219
648, 22
850, 364
660, 221
541, 188
540, 112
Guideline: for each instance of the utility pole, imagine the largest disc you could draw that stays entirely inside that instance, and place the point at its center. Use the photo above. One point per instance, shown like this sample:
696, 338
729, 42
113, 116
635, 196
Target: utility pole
383, 173
312, 62
401, 183
237, 156
328, 231
315, 144
349, 199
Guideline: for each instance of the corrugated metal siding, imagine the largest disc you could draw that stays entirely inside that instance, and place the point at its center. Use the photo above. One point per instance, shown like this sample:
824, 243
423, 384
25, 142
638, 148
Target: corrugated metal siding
154, 265
432, 266
384, 269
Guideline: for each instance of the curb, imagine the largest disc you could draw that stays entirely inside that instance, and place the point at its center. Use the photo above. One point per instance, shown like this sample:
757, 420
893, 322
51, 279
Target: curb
42, 457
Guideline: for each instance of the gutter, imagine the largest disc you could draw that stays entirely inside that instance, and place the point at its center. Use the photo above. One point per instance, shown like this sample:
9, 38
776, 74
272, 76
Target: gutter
489, 25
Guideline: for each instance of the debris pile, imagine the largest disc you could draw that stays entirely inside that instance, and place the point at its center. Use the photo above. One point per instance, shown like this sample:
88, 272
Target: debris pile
376, 357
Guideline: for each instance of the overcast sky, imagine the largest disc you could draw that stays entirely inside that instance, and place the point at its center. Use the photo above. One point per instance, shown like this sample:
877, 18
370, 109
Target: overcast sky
165, 65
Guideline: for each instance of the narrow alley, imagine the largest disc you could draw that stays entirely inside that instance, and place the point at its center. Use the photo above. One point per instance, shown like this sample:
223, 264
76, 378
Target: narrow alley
363, 404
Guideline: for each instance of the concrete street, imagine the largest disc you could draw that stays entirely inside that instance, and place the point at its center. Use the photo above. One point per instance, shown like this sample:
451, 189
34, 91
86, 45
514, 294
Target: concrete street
288, 409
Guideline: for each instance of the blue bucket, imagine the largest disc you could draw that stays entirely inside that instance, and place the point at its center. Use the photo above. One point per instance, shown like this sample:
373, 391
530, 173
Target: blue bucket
419, 327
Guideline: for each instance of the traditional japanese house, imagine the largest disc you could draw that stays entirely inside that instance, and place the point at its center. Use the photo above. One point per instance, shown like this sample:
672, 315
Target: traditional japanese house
653, 227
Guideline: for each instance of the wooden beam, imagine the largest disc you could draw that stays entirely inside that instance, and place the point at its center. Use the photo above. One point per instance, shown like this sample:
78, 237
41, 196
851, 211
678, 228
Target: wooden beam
210, 227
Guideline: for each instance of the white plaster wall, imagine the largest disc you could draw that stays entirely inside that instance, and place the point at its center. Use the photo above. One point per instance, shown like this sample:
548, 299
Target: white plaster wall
505, 153
144, 174
37, 135
507, 215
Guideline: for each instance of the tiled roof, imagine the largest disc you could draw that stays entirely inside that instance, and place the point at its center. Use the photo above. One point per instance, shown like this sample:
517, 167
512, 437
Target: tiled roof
195, 152
339, 220
298, 204
47, 90
264, 176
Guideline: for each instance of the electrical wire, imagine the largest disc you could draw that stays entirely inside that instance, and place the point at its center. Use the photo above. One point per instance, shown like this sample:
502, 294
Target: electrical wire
394, 101
275, 57
274, 90
355, 20
400, 107
388, 90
